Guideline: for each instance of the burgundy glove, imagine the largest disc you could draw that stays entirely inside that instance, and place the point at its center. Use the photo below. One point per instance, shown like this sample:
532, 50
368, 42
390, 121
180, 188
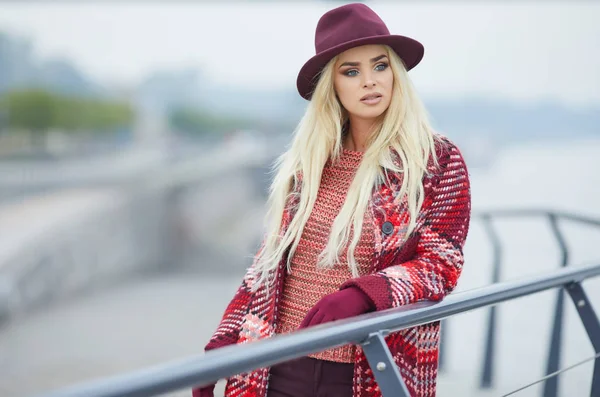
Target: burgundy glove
206, 391
346, 303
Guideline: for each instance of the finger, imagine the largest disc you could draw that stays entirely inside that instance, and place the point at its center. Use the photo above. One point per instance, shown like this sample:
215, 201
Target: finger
328, 318
317, 318
308, 318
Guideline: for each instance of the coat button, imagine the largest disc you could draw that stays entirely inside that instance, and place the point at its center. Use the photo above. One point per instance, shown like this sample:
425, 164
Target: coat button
387, 227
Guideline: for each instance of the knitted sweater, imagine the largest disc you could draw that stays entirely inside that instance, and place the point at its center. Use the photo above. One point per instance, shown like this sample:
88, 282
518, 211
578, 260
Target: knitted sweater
306, 284
406, 269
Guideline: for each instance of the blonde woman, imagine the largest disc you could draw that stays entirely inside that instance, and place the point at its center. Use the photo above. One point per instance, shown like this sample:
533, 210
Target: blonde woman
369, 210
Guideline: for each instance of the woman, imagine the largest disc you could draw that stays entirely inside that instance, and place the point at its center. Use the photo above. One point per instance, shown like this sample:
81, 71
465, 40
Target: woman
369, 210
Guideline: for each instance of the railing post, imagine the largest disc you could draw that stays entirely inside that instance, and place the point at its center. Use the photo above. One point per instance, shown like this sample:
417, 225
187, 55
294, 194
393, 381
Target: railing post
488, 363
383, 366
443, 341
592, 327
551, 385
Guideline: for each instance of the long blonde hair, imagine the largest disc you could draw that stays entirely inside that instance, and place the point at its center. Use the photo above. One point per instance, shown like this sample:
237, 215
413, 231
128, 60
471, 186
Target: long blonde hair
404, 127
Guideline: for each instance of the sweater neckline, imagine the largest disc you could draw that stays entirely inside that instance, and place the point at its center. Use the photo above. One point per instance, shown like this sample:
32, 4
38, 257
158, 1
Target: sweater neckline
347, 160
352, 152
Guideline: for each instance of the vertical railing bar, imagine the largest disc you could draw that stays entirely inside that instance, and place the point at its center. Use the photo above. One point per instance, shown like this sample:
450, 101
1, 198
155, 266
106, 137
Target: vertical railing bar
383, 366
559, 238
554, 354
488, 363
442, 349
592, 327
553, 363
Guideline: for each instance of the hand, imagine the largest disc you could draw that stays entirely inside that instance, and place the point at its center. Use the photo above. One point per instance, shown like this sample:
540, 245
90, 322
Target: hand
346, 303
206, 391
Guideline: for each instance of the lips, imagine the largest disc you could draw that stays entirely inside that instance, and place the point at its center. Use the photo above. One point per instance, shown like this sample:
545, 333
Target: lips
371, 99
374, 95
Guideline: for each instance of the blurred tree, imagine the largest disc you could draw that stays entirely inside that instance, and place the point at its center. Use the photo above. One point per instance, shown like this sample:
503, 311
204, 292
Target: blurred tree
36, 111
39, 110
74, 114
33, 110
201, 122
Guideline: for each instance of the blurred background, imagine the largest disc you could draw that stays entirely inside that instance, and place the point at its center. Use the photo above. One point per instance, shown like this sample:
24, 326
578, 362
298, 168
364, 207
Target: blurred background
136, 139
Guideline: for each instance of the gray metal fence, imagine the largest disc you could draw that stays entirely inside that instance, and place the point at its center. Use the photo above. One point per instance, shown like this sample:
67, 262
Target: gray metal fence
367, 330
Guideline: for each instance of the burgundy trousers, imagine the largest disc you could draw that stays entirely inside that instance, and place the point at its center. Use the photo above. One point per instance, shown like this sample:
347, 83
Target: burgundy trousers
309, 377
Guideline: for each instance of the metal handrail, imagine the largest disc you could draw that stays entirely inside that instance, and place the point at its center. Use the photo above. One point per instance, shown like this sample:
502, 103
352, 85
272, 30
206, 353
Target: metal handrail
367, 330
521, 212
551, 386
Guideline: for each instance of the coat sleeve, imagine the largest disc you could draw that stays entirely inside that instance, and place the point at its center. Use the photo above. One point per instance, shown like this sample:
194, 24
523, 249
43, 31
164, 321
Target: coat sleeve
229, 328
227, 332
436, 265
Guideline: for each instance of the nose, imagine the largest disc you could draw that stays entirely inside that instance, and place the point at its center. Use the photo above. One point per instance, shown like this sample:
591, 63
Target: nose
369, 84
368, 81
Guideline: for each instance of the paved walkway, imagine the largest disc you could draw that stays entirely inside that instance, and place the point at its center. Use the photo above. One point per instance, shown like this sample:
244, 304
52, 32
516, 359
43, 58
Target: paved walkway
121, 329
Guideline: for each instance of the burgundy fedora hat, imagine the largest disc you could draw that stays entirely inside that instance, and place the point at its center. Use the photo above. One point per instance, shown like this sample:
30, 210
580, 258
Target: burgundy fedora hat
349, 26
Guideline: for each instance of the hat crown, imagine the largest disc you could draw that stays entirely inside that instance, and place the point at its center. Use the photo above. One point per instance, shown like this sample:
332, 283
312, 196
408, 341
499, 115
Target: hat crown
350, 26
347, 23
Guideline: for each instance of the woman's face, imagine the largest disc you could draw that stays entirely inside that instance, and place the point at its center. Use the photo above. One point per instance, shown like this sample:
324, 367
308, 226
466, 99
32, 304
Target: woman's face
363, 81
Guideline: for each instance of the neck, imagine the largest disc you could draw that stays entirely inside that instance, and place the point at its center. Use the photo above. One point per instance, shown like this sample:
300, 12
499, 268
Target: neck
359, 132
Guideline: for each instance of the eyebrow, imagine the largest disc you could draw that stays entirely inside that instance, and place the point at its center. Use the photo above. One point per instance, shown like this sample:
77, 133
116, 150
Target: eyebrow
373, 60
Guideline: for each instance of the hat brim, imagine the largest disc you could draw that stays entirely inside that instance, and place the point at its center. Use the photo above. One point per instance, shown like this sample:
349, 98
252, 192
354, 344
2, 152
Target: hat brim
409, 50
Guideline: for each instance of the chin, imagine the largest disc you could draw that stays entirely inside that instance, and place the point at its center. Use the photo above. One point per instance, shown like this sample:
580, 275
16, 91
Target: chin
371, 113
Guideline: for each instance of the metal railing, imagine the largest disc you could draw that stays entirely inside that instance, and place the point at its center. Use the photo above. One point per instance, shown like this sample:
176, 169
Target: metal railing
366, 330
554, 218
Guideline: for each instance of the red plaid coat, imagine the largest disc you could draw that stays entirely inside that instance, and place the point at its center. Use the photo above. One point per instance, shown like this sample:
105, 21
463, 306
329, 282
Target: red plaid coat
426, 266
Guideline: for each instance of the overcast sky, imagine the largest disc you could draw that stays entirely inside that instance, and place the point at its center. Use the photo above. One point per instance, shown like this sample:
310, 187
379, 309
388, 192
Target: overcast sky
520, 50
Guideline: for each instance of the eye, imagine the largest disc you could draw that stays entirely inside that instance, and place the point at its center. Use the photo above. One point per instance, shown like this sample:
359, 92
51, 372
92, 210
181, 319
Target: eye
382, 66
351, 72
